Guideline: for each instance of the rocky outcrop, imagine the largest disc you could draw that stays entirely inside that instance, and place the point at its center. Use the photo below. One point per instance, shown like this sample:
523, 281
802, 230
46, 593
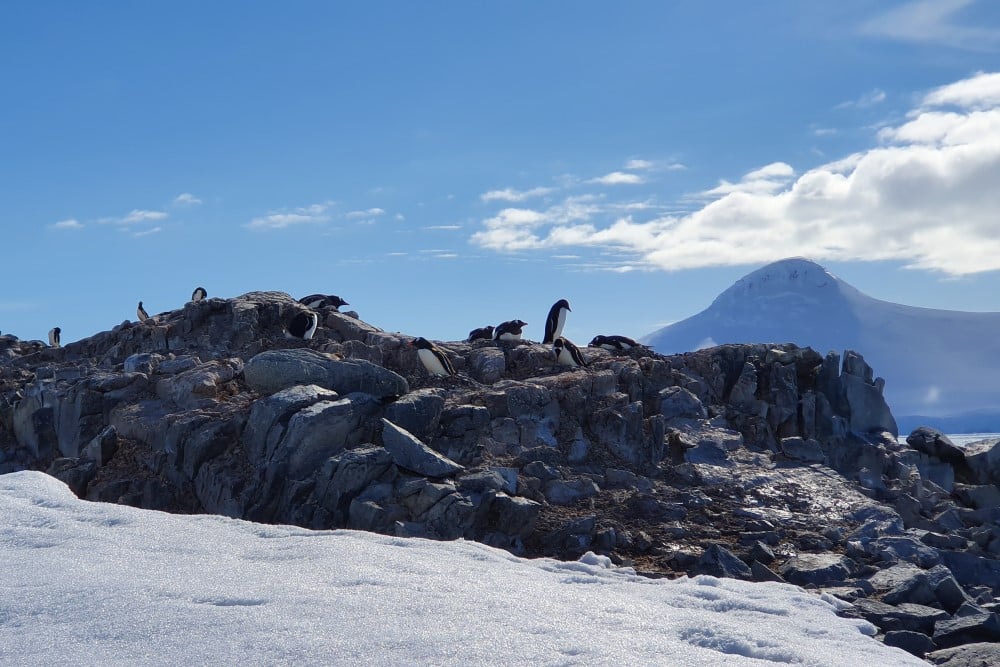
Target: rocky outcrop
763, 462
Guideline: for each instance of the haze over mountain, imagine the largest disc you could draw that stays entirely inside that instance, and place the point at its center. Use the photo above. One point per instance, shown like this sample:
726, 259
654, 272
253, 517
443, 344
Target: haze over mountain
936, 363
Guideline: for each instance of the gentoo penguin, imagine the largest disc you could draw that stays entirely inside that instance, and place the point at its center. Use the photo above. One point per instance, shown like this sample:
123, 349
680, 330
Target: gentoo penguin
199, 294
322, 301
567, 353
614, 343
54, 336
434, 360
509, 330
555, 321
141, 313
303, 325
482, 333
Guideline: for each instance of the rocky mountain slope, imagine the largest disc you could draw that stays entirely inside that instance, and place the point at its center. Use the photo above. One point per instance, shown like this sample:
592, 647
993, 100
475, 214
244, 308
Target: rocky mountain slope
761, 462
936, 362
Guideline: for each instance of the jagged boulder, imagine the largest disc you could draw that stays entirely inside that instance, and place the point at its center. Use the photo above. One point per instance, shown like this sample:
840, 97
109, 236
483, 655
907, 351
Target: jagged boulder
409, 453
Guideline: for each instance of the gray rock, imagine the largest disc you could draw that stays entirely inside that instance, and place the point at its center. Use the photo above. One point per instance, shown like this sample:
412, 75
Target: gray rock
807, 451
74, 473
817, 569
408, 452
269, 417
983, 460
191, 388
567, 492
323, 429
914, 617
983, 627
934, 443
914, 643
718, 561
868, 409
344, 475
487, 364
679, 402
972, 570
906, 548
144, 362
418, 412
103, 446
275, 370
979, 654
513, 515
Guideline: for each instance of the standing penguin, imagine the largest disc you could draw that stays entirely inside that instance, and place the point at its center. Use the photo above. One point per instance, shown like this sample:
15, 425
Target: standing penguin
141, 313
509, 330
555, 321
432, 357
568, 354
54, 336
199, 294
303, 325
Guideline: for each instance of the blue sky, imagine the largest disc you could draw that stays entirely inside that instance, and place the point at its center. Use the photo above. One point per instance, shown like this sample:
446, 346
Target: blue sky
443, 166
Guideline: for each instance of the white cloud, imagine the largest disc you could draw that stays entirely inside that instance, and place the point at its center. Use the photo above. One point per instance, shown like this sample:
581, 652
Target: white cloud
618, 178
869, 99
933, 22
304, 215
186, 199
638, 164
147, 232
770, 178
72, 223
370, 213
443, 227
136, 216
925, 195
511, 195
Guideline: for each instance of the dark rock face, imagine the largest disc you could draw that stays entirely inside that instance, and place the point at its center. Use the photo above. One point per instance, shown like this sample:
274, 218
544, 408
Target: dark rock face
762, 462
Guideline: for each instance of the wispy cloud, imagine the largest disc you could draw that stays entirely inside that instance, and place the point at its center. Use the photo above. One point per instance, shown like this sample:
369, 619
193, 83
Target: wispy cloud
934, 22
186, 199
72, 223
869, 99
135, 217
304, 215
511, 195
925, 195
366, 214
638, 165
618, 178
147, 232
443, 227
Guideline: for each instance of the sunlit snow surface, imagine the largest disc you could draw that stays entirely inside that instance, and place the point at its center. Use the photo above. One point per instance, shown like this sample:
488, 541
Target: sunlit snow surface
89, 583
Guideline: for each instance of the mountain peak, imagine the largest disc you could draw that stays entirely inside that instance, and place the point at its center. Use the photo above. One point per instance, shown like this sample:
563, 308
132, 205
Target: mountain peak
794, 275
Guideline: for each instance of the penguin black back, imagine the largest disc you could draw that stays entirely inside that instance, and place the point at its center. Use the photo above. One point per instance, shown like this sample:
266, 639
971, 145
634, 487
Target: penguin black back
509, 330
482, 333
303, 325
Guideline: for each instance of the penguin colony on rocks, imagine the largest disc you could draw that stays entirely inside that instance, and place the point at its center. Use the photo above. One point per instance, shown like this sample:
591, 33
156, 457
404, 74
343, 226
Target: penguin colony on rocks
303, 325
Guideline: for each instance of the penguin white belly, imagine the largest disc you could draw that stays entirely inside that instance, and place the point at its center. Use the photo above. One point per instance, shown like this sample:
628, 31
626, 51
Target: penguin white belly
560, 321
432, 363
510, 336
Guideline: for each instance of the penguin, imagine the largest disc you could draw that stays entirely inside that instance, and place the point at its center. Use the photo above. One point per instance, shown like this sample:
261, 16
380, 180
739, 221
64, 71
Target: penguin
303, 325
555, 320
54, 336
482, 333
434, 360
614, 343
567, 354
323, 300
509, 330
141, 313
199, 294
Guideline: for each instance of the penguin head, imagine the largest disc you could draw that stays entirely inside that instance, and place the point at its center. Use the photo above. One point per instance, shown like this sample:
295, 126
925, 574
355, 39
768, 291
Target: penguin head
421, 343
57, 331
562, 303
557, 346
520, 324
336, 301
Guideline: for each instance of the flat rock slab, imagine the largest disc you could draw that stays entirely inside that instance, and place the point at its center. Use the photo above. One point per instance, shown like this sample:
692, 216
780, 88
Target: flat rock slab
408, 452
275, 370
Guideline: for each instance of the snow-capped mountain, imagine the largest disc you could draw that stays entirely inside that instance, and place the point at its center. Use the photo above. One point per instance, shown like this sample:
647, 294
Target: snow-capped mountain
935, 362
